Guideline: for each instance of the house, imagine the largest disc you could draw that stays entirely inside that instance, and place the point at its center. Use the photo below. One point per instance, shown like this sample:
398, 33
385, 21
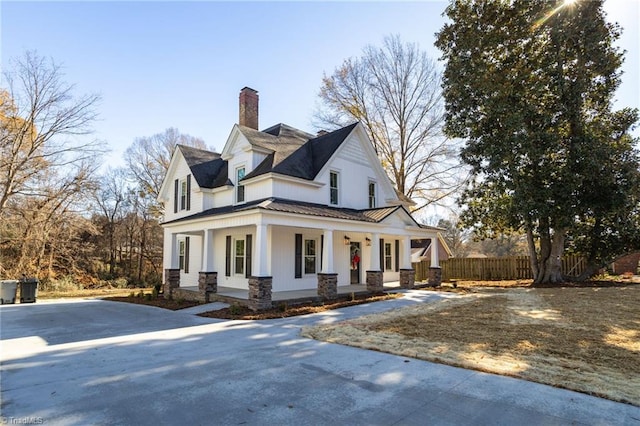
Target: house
421, 249
282, 209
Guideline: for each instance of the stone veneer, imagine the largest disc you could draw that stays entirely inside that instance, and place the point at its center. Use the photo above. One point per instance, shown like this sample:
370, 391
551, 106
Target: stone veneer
207, 284
171, 281
374, 281
407, 278
435, 276
260, 293
328, 286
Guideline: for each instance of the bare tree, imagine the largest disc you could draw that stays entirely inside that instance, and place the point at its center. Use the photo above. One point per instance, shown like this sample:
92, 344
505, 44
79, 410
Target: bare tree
43, 128
110, 198
148, 159
394, 90
47, 164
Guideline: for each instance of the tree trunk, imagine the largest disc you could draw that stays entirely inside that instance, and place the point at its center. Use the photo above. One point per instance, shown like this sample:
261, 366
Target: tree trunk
550, 261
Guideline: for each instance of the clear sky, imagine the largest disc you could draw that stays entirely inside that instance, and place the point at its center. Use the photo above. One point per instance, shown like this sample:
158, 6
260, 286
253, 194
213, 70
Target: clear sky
182, 64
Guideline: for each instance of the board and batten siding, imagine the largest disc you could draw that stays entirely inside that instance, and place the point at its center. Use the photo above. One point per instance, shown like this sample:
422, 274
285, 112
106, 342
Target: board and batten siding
220, 258
196, 203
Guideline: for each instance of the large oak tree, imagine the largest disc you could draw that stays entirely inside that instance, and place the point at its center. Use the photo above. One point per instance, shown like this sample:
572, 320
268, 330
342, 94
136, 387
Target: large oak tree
529, 85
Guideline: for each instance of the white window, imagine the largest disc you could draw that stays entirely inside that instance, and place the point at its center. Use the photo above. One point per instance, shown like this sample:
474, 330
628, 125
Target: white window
310, 256
372, 194
333, 187
239, 256
181, 254
183, 194
240, 171
388, 260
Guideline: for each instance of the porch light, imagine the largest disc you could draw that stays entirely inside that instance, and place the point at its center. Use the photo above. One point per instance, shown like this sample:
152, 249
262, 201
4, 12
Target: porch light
367, 242
347, 240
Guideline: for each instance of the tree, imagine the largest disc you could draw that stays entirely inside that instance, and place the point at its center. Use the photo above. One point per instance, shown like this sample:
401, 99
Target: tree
394, 90
110, 197
529, 85
40, 125
47, 164
455, 236
148, 160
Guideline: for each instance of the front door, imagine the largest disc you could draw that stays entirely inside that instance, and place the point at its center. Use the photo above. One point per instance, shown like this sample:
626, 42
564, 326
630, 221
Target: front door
354, 260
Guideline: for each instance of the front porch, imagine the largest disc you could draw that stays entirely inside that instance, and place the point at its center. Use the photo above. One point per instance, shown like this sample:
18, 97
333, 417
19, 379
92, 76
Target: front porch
291, 297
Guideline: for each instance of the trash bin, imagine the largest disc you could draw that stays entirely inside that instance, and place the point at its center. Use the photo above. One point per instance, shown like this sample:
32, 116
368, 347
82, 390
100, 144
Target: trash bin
8, 289
28, 290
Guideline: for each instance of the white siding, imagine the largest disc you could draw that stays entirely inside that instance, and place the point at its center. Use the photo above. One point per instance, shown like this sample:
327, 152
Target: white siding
195, 261
181, 172
219, 256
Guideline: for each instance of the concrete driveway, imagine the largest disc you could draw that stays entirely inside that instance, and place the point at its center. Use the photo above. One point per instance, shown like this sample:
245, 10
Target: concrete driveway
98, 362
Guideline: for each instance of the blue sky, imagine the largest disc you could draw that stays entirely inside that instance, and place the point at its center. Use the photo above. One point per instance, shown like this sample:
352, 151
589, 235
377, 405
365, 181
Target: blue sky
182, 64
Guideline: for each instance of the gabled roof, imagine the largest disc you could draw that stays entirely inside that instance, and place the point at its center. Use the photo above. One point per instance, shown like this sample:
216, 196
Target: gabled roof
307, 159
207, 168
376, 215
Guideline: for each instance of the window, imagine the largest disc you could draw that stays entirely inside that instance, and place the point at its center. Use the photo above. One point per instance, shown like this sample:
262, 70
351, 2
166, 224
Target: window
387, 257
309, 256
239, 188
181, 254
372, 194
239, 257
183, 194
333, 187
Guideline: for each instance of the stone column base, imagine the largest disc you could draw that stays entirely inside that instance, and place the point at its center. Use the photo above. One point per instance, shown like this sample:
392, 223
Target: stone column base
260, 293
374, 281
207, 283
328, 286
407, 278
171, 281
435, 276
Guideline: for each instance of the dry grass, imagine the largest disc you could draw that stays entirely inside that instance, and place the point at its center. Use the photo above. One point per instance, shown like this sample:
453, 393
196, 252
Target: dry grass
584, 339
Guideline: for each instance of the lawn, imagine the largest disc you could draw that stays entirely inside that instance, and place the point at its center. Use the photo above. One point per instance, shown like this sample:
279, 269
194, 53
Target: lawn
581, 338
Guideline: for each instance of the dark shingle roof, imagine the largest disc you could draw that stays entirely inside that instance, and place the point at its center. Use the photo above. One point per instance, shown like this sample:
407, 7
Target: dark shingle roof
298, 207
207, 168
292, 153
307, 159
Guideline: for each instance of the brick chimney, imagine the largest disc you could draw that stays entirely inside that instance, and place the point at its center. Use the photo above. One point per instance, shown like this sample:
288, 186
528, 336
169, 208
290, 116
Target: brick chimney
249, 108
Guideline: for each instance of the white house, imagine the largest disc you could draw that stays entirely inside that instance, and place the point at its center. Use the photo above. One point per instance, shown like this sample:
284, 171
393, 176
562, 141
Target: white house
281, 209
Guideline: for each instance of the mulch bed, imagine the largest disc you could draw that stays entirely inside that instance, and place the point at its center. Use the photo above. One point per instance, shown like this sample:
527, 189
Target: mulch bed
159, 302
238, 312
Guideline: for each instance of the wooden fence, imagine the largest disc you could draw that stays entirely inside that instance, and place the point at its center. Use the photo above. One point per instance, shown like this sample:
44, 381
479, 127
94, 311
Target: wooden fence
493, 268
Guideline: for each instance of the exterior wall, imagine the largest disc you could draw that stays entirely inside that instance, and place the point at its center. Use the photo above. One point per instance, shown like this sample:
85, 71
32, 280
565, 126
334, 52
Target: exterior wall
181, 172
195, 261
219, 256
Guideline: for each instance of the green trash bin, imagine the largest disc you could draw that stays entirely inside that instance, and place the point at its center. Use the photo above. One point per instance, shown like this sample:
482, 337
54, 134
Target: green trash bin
28, 290
8, 290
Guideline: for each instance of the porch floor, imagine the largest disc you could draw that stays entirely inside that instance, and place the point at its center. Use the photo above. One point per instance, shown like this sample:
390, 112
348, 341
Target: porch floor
292, 295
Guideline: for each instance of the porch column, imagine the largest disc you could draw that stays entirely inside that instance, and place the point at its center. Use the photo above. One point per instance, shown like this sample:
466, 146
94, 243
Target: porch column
207, 278
260, 282
261, 264
171, 260
207, 251
171, 263
327, 252
435, 273
374, 276
407, 274
327, 278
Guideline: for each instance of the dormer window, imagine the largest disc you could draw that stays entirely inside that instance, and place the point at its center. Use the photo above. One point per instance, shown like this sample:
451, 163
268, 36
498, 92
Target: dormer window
333, 187
240, 172
372, 194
